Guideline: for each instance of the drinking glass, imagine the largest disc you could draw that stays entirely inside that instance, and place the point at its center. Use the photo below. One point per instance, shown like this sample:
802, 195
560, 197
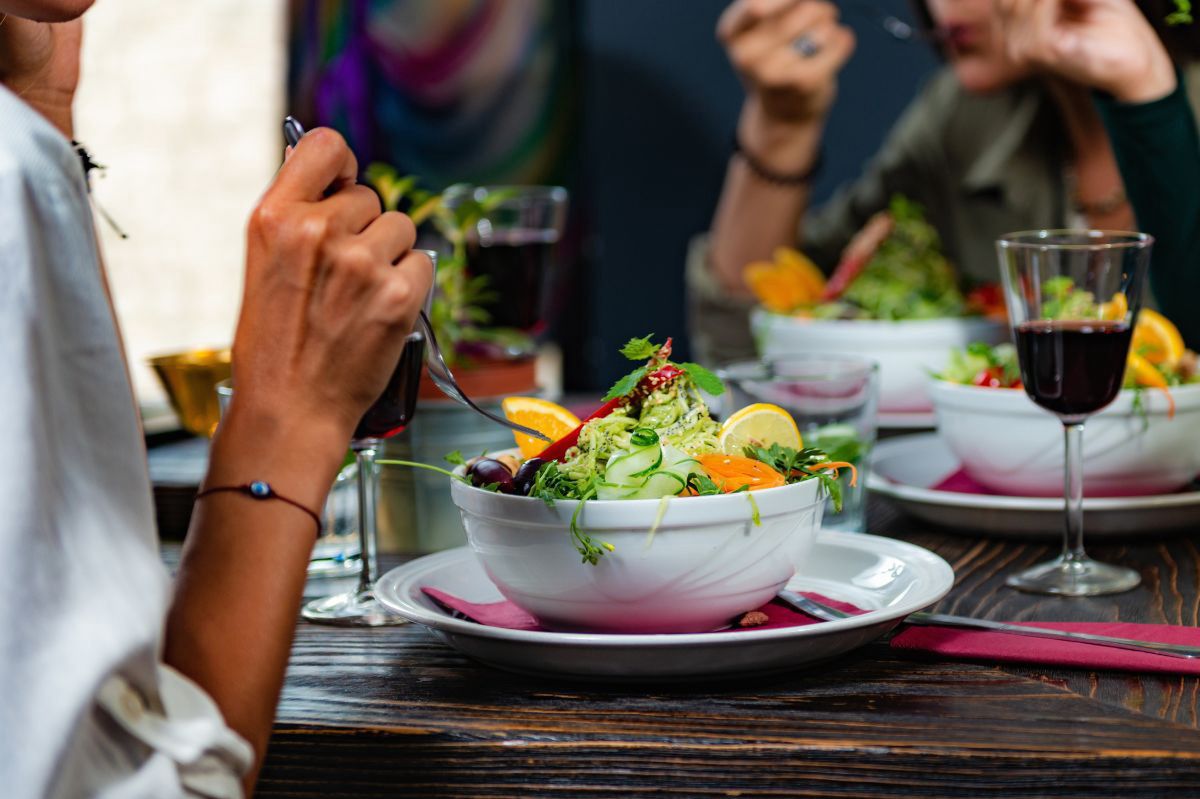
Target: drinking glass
388, 416
513, 246
1073, 296
834, 400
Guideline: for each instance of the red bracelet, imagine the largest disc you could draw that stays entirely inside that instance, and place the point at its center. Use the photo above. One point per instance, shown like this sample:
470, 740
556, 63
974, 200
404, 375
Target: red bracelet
260, 489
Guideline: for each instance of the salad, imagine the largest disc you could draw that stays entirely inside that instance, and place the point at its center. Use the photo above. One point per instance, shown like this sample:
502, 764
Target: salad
1157, 359
653, 439
893, 269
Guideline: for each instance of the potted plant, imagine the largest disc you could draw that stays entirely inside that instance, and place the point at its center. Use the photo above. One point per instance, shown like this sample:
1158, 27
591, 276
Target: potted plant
489, 361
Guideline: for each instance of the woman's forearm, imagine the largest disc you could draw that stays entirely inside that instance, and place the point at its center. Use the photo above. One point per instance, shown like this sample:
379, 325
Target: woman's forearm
755, 215
244, 565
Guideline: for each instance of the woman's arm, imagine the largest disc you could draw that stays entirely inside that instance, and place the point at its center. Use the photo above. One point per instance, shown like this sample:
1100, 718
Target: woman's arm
1158, 151
788, 96
324, 317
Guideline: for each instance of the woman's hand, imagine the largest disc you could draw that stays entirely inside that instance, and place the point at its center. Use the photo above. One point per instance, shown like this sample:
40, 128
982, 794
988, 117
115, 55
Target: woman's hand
788, 54
1103, 44
332, 290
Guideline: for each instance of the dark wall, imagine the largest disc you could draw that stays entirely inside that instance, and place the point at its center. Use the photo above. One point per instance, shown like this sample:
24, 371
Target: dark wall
659, 107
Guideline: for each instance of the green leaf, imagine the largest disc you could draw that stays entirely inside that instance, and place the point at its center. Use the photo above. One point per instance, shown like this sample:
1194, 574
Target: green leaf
639, 349
703, 378
626, 384
455, 458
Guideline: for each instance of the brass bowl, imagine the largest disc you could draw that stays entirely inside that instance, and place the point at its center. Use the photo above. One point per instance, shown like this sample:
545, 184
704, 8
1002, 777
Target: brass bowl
190, 380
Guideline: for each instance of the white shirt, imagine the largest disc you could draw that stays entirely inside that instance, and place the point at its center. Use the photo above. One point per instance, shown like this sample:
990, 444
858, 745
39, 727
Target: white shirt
86, 706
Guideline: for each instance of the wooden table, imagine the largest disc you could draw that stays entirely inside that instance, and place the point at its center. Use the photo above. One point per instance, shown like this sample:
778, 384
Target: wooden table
393, 712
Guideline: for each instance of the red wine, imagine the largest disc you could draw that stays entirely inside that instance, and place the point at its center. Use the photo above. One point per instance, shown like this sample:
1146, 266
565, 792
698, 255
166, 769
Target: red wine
516, 264
1073, 368
394, 409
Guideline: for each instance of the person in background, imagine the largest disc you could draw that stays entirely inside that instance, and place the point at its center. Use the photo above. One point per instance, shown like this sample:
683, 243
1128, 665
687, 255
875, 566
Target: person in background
114, 686
1008, 136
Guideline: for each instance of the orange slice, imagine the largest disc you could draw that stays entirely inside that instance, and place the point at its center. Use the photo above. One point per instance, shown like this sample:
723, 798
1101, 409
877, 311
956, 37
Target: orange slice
542, 415
779, 290
803, 268
1156, 339
1147, 375
1116, 308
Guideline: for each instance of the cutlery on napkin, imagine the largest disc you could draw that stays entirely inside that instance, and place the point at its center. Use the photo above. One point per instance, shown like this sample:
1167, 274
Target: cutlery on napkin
946, 642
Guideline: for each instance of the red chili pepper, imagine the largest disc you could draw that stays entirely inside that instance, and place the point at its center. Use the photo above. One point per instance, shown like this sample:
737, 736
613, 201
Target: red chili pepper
649, 383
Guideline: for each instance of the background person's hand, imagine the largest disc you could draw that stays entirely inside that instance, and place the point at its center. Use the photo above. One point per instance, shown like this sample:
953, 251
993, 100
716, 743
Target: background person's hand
788, 54
1103, 44
325, 312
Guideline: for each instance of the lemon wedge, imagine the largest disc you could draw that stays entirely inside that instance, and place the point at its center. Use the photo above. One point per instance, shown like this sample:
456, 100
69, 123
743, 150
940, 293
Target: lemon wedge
759, 425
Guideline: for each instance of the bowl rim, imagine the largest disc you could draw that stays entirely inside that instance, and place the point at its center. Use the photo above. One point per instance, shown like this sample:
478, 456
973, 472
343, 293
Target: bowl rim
938, 321
633, 504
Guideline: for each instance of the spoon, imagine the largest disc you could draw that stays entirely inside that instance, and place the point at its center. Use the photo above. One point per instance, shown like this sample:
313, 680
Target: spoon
293, 131
821, 611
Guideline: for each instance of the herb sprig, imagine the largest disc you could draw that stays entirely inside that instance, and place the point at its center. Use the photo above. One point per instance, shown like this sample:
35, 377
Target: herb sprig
658, 356
796, 465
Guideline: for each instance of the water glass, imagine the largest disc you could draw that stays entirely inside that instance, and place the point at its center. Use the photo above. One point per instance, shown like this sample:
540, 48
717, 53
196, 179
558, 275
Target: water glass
834, 400
513, 245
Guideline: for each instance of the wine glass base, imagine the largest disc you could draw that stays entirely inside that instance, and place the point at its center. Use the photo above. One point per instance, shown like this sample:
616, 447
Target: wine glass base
351, 609
1075, 577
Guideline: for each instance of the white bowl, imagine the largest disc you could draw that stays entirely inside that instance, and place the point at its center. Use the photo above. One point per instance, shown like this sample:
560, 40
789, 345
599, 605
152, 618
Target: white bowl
706, 563
907, 352
1010, 445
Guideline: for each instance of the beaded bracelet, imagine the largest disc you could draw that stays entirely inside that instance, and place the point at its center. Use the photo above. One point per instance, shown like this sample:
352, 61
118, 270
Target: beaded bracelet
778, 178
260, 489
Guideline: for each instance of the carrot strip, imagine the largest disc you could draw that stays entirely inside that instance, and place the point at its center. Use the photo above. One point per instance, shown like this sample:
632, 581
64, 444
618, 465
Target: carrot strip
816, 467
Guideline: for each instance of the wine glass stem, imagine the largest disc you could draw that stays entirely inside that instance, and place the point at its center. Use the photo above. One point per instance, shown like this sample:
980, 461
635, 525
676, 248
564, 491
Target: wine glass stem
1073, 490
364, 456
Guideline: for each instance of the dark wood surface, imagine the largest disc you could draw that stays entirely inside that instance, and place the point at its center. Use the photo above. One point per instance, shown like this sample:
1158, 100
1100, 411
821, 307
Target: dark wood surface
393, 712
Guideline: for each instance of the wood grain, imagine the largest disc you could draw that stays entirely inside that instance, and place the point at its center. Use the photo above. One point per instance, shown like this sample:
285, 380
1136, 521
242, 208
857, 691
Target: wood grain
393, 712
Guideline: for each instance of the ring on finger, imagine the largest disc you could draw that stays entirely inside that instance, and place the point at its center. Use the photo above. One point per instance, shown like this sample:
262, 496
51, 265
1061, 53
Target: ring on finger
806, 46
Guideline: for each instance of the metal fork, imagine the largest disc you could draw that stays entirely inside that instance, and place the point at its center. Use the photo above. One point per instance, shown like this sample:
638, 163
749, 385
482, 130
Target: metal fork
444, 378
821, 611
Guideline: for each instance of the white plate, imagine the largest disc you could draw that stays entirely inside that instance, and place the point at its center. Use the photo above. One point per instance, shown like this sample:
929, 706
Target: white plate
890, 578
906, 468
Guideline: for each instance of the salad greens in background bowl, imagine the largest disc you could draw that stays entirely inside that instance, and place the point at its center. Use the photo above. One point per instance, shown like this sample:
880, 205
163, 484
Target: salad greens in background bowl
894, 298
649, 517
1146, 442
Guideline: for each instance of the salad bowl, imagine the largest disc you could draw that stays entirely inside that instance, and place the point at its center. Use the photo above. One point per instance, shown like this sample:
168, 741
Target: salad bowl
679, 565
1011, 446
907, 350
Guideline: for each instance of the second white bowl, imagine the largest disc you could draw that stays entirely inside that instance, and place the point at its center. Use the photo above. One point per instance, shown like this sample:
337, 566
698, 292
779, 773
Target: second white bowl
1010, 445
907, 352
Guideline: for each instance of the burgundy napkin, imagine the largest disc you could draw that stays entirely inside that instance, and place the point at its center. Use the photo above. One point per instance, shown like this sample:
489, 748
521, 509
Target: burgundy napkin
945, 642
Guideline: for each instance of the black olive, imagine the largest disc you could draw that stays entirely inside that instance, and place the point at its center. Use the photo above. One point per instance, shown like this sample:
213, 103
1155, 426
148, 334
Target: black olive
527, 474
488, 471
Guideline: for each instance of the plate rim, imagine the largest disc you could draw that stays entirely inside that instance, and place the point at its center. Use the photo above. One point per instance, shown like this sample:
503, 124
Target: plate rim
940, 572
932, 496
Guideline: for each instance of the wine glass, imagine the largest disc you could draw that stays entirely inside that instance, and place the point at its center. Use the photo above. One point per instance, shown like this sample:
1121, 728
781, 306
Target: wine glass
387, 416
1073, 296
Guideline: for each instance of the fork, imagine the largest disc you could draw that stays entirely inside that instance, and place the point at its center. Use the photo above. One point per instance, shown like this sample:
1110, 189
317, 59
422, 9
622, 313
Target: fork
444, 378
821, 611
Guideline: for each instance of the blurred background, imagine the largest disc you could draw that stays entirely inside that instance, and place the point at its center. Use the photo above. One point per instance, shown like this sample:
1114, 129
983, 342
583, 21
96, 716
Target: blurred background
629, 104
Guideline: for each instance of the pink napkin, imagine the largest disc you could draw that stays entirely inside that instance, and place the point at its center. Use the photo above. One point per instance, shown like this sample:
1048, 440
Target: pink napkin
507, 615
945, 642
961, 483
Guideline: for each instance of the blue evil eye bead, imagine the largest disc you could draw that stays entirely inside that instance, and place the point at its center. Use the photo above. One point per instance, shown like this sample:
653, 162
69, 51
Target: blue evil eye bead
260, 490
